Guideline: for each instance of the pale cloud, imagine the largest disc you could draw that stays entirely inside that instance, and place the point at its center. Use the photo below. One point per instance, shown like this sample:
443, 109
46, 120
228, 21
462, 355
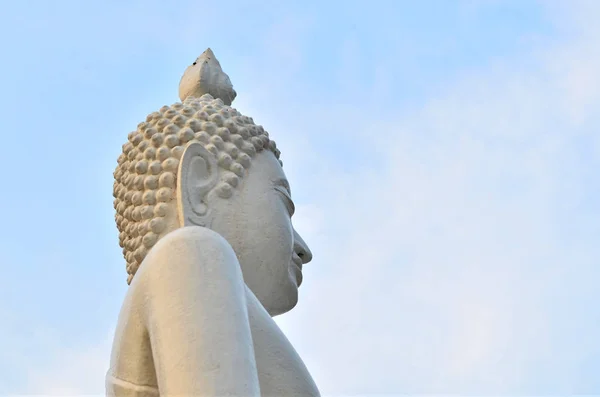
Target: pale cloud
74, 371
453, 271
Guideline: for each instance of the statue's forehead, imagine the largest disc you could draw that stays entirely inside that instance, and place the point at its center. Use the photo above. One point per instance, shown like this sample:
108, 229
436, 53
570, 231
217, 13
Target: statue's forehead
266, 167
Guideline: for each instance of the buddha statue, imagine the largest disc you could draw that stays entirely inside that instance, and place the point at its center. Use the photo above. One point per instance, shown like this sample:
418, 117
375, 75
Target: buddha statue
203, 210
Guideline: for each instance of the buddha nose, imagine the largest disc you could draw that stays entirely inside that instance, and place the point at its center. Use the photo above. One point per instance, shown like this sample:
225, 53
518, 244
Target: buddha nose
301, 248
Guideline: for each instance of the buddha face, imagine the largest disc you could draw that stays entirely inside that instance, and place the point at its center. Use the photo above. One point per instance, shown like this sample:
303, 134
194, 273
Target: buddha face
256, 221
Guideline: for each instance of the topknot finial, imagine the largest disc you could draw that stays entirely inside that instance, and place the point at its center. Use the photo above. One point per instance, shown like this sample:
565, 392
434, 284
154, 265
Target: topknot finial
205, 76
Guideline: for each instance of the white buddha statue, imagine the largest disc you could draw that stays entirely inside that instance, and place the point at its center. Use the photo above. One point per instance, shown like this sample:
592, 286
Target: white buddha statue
204, 214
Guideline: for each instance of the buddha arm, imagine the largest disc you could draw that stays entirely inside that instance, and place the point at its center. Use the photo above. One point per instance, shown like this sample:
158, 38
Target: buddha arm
196, 316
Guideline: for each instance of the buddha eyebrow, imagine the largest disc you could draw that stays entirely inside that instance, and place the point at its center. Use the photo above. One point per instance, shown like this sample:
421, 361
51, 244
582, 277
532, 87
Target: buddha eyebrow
283, 183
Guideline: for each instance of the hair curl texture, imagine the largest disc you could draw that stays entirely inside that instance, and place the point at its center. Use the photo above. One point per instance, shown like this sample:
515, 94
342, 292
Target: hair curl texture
146, 174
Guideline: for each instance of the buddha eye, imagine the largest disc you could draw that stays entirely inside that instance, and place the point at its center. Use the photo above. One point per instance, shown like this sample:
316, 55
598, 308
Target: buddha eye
289, 203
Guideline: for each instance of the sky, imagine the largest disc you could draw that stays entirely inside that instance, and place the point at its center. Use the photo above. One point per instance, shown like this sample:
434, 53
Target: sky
443, 157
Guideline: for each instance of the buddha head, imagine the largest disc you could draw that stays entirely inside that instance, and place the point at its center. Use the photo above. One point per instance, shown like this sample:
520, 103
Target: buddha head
200, 162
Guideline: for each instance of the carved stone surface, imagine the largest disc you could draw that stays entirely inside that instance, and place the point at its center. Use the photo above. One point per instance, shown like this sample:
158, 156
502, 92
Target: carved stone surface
205, 76
204, 211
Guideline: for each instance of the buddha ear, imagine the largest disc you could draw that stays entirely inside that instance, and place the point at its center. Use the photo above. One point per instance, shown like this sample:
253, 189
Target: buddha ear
197, 175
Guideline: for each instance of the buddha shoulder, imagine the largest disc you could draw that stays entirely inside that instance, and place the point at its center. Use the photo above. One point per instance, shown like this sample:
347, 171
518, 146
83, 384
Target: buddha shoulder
189, 253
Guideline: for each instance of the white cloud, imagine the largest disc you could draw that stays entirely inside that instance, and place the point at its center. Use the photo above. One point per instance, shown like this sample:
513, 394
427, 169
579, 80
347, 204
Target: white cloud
453, 272
74, 371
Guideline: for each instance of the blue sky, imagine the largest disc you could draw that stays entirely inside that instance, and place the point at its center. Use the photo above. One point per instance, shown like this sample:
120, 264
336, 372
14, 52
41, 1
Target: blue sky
442, 155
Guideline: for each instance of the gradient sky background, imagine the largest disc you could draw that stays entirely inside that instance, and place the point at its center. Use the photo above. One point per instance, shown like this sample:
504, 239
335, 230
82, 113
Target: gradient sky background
444, 160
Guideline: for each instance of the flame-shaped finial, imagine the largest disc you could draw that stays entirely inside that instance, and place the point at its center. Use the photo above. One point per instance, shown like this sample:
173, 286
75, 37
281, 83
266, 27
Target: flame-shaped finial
205, 76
